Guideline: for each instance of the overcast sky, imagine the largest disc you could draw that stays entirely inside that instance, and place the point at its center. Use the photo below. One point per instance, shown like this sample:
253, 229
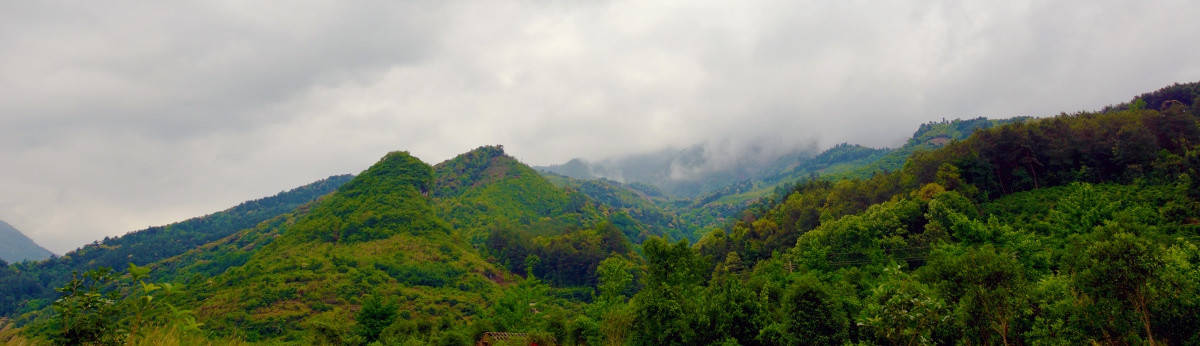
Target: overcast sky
119, 116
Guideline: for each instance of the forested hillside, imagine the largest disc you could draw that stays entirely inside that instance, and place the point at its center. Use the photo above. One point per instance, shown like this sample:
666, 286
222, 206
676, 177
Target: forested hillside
16, 247
1073, 229
640, 210
511, 213
689, 217
1080, 228
376, 236
38, 280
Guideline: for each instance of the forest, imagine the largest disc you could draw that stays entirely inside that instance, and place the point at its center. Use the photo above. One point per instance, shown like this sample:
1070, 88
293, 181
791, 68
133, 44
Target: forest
1079, 228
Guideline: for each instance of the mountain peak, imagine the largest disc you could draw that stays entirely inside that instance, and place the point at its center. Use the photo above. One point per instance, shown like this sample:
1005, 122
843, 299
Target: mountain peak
16, 247
476, 168
396, 170
386, 199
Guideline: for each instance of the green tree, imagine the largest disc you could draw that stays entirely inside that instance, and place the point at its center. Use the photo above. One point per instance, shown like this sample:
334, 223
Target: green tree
985, 285
733, 312
85, 315
668, 309
92, 309
902, 310
810, 314
615, 279
1120, 269
375, 315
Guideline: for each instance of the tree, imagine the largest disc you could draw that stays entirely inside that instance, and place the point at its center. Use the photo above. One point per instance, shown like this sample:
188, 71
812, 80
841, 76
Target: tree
93, 311
1120, 269
668, 309
902, 310
375, 315
615, 278
809, 315
85, 314
733, 312
985, 285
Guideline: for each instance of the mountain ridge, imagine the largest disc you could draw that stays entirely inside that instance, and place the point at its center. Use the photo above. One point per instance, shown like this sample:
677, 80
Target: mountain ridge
15, 246
1054, 230
153, 244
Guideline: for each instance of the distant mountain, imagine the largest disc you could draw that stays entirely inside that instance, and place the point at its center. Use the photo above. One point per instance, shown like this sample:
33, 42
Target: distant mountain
16, 247
653, 198
685, 173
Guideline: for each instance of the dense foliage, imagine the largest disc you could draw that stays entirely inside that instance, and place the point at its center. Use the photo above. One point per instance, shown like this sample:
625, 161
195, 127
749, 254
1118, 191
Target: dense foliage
1074, 229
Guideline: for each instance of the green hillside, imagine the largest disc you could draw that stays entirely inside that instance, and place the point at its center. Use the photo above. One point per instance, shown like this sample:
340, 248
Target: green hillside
398, 231
523, 222
16, 247
1075, 229
485, 188
377, 235
842, 161
152, 245
637, 210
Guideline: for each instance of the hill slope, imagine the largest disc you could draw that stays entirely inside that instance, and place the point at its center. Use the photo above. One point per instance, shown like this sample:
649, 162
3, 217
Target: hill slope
485, 187
513, 214
377, 235
157, 243
16, 247
1073, 229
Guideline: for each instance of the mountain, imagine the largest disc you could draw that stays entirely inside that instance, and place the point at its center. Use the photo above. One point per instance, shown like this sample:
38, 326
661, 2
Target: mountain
433, 241
1085, 222
1073, 229
721, 194
493, 189
16, 247
510, 212
683, 173
704, 170
485, 187
638, 209
154, 244
378, 235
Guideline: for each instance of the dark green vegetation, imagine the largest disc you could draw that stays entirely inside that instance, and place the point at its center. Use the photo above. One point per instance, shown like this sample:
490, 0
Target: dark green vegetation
1076, 229
30, 285
16, 247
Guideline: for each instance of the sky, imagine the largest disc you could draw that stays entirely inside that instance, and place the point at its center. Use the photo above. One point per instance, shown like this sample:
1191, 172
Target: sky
119, 116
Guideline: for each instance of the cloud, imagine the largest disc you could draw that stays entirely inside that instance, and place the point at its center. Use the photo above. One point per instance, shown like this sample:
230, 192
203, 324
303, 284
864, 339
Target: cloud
120, 116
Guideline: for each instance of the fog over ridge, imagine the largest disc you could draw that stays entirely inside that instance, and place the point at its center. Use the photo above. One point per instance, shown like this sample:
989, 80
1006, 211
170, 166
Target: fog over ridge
119, 116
